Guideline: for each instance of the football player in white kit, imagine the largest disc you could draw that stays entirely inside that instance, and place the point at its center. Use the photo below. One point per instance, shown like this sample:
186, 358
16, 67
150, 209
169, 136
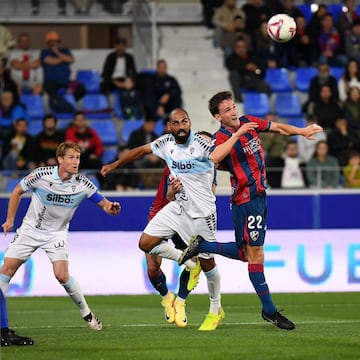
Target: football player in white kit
57, 193
193, 211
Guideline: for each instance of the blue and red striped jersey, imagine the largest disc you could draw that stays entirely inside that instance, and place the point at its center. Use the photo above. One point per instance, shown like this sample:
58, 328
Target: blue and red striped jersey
160, 198
245, 162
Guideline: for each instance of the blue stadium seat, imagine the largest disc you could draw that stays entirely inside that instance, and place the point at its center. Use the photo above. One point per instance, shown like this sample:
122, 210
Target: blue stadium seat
109, 155
358, 9
306, 10
159, 128
70, 98
106, 130
96, 106
128, 127
34, 127
34, 106
288, 105
11, 184
303, 77
337, 71
117, 106
335, 10
257, 104
91, 79
278, 79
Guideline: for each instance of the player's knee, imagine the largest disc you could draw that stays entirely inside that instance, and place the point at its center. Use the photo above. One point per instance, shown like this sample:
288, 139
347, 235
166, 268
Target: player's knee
207, 264
62, 277
146, 243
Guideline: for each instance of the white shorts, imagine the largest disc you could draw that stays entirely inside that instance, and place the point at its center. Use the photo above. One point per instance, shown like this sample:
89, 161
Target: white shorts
27, 240
170, 220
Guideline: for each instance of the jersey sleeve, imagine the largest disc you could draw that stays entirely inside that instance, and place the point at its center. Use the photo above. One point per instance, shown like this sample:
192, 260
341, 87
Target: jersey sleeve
90, 189
31, 180
158, 146
263, 124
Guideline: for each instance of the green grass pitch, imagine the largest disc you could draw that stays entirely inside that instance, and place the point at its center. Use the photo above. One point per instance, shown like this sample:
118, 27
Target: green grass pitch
328, 327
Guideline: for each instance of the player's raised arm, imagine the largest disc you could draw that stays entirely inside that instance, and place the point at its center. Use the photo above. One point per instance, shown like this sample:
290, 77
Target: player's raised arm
12, 208
132, 155
285, 129
221, 151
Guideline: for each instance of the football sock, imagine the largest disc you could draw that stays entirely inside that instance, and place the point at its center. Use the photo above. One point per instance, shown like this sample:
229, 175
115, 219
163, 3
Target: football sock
3, 314
159, 282
184, 279
213, 282
257, 277
4, 282
72, 287
165, 250
229, 249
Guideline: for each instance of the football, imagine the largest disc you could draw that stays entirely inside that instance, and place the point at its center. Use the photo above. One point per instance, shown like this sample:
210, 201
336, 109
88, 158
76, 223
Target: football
281, 28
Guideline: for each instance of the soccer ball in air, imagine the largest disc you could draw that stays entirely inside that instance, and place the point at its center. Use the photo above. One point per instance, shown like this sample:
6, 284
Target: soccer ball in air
281, 28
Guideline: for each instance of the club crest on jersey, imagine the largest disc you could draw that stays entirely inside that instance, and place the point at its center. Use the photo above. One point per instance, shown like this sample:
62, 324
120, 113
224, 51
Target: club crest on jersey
254, 235
73, 187
51, 184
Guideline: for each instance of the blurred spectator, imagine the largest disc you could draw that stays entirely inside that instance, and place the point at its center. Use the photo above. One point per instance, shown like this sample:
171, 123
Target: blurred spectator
9, 112
7, 42
264, 47
330, 43
326, 110
17, 148
322, 78
46, 142
144, 135
7, 83
351, 77
35, 4
256, 12
81, 133
306, 148
208, 10
118, 65
289, 8
342, 141
162, 93
223, 20
287, 170
127, 178
347, 18
230, 37
56, 63
130, 101
245, 71
314, 25
351, 171
352, 42
322, 170
273, 143
352, 109
25, 67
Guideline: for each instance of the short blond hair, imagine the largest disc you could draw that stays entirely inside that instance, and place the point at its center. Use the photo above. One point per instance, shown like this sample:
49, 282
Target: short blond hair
65, 146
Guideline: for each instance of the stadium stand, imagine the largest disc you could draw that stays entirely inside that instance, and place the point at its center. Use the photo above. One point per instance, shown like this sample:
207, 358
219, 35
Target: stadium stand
257, 104
107, 130
91, 79
303, 77
128, 127
34, 105
96, 106
287, 105
278, 79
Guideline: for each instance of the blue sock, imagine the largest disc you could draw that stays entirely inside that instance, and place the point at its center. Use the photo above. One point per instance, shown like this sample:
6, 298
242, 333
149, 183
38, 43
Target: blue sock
159, 283
257, 277
3, 315
184, 278
230, 249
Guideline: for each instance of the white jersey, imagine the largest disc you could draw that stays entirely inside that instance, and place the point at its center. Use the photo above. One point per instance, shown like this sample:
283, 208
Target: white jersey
190, 163
53, 201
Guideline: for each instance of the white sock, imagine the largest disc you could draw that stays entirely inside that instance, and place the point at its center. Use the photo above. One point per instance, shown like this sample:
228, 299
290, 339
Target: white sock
213, 282
4, 283
72, 287
167, 251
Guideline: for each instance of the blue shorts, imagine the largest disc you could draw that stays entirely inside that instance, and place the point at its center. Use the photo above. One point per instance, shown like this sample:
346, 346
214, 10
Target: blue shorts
250, 221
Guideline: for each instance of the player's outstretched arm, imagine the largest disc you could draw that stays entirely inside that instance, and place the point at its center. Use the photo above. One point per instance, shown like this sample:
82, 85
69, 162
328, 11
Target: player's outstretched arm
285, 129
132, 155
221, 151
12, 208
110, 207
